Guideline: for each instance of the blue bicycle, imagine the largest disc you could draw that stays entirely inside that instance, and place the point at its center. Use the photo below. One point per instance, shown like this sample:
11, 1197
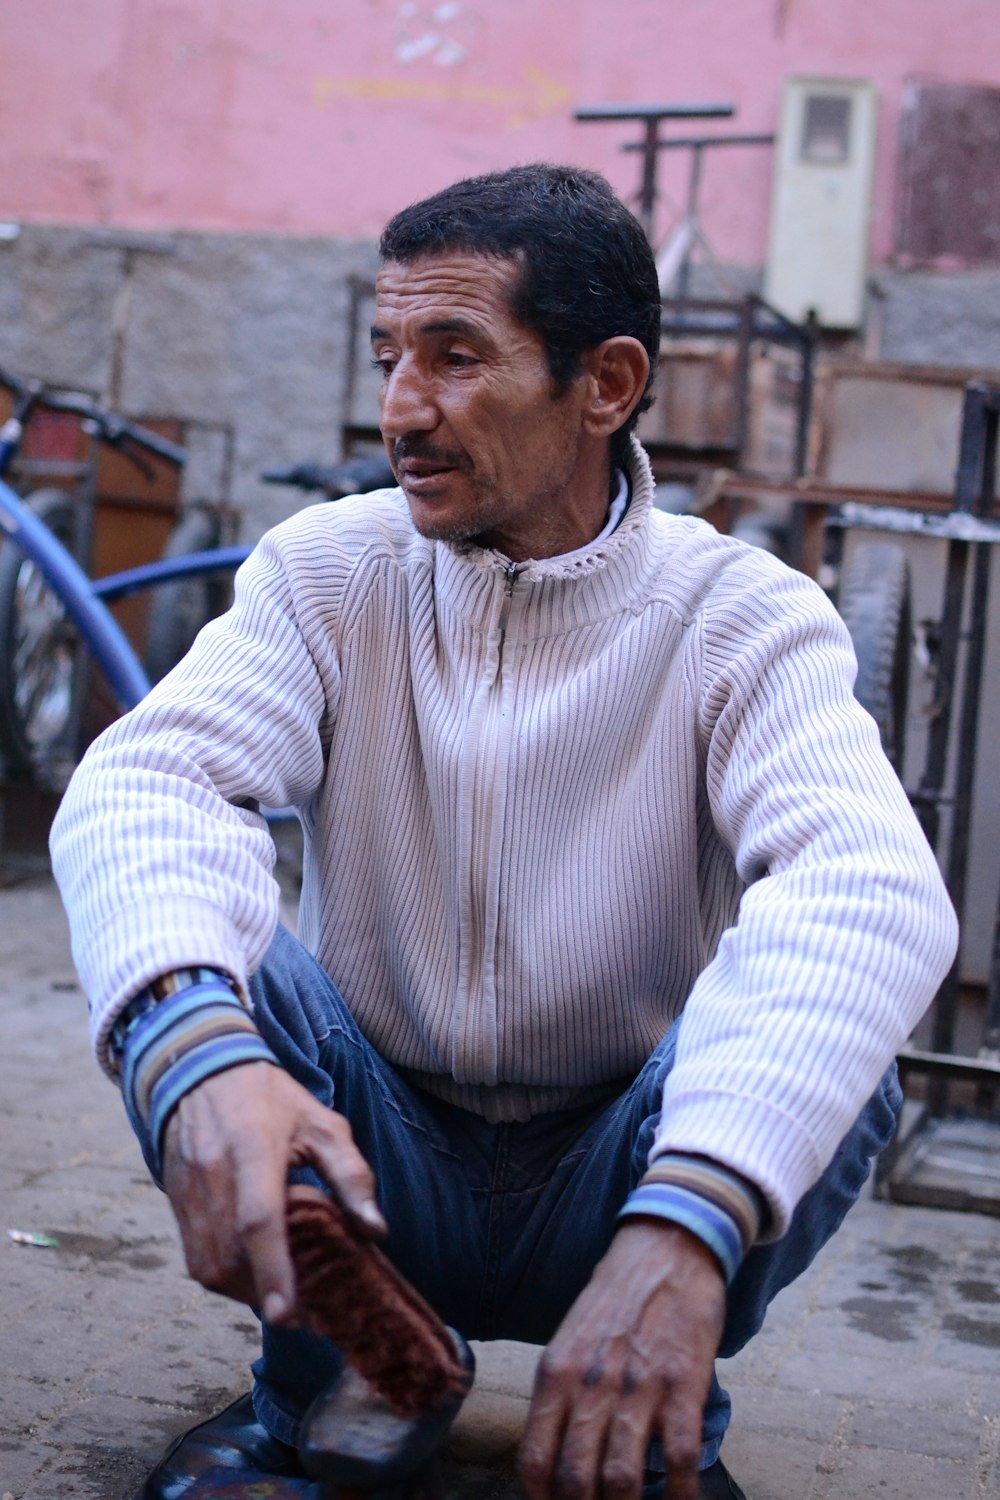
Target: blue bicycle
45, 652
62, 613
55, 620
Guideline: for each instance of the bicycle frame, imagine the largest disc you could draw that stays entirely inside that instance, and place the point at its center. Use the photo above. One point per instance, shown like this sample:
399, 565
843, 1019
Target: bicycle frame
86, 600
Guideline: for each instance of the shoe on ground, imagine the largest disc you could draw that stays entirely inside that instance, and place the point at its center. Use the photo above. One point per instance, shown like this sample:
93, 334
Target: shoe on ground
221, 1457
714, 1483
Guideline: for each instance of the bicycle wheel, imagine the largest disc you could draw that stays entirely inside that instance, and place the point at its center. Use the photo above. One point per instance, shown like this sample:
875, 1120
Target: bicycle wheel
179, 609
874, 603
43, 664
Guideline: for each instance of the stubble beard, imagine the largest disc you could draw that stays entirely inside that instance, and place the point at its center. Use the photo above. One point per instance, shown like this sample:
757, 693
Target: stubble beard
488, 515
480, 517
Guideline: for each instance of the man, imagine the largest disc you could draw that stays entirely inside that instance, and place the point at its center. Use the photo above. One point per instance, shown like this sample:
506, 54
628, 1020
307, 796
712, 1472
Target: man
567, 768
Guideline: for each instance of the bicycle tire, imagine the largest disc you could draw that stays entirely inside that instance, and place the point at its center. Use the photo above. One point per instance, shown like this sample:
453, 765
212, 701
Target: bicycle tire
179, 608
43, 662
874, 603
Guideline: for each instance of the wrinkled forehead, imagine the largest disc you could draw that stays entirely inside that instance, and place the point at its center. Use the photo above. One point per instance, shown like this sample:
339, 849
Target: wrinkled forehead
454, 286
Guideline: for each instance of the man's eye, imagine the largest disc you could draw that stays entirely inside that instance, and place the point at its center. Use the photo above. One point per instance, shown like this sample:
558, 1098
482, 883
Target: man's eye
460, 361
384, 363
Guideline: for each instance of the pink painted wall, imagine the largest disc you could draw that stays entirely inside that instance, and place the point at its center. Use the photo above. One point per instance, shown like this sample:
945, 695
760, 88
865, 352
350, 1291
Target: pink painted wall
323, 116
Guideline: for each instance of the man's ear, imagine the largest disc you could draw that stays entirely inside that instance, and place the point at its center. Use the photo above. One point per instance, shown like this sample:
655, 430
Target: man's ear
617, 372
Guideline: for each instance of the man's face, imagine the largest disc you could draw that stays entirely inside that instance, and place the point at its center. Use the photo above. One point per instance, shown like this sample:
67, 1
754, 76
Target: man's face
482, 446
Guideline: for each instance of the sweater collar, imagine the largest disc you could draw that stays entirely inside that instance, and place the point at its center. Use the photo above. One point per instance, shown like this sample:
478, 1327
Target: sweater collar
595, 554
564, 591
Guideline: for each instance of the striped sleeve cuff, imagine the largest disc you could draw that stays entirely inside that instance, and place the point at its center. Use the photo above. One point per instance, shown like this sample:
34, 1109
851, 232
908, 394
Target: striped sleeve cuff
186, 1038
720, 1207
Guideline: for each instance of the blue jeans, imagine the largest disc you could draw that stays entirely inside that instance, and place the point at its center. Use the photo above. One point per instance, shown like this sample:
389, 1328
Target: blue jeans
500, 1226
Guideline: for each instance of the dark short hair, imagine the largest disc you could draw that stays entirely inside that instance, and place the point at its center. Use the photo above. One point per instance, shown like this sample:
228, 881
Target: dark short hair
587, 271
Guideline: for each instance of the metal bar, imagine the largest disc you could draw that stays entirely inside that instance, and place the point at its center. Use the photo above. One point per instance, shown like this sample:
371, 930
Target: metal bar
590, 112
927, 796
694, 189
987, 488
968, 475
944, 1065
946, 1004
187, 565
55, 468
991, 1020
698, 141
954, 525
709, 304
987, 498
977, 464
647, 191
880, 504
807, 381
798, 329
742, 375
103, 634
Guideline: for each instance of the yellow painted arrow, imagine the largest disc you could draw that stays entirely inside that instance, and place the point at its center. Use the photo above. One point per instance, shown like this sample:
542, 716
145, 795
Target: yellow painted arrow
538, 94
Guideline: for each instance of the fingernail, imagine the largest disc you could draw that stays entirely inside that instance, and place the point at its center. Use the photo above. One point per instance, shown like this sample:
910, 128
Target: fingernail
275, 1307
372, 1216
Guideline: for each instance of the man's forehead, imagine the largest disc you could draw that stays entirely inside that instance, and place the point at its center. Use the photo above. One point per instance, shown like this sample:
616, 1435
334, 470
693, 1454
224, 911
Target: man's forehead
459, 285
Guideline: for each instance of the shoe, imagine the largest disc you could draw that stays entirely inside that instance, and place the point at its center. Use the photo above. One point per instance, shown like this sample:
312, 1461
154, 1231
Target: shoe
224, 1457
351, 1437
714, 1483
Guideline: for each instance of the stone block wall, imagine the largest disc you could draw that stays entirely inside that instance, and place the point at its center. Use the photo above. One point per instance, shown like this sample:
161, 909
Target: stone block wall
244, 331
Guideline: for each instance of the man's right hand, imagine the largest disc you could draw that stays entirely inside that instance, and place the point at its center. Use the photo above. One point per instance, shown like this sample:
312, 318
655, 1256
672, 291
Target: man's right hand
227, 1150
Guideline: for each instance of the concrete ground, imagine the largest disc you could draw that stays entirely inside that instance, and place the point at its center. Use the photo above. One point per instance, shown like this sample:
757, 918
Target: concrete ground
878, 1373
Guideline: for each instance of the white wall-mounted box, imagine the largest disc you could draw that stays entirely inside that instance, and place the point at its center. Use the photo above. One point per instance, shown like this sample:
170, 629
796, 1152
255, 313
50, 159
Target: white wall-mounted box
818, 256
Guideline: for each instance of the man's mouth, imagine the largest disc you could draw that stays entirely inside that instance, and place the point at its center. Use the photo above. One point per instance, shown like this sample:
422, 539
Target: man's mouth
418, 466
423, 481
416, 470
421, 474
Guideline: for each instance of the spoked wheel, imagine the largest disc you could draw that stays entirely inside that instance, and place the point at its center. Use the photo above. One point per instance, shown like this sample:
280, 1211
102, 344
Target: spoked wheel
874, 603
43, 663
179, 609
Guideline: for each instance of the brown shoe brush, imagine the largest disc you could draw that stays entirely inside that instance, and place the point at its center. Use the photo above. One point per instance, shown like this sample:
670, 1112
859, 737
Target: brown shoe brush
407, 1374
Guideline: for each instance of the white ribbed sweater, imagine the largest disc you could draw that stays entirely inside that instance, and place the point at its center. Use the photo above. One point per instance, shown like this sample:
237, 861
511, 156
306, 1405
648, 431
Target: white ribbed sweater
534, 799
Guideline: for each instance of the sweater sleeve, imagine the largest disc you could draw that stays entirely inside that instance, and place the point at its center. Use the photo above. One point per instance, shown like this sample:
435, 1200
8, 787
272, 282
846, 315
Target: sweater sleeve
844, 929
163, 859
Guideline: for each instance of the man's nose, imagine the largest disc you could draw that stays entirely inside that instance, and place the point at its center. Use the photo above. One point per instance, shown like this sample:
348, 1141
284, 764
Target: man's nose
407, 404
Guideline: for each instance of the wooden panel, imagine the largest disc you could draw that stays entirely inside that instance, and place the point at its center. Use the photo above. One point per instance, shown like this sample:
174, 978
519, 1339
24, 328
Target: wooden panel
695, 399
889, 426
128, 533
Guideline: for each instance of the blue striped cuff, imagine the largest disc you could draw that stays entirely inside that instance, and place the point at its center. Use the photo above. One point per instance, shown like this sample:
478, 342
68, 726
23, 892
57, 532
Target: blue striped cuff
720, 1207
184, 1039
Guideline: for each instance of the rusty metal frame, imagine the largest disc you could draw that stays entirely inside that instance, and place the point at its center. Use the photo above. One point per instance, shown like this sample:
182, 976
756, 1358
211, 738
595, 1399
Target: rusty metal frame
972, 529
748, 320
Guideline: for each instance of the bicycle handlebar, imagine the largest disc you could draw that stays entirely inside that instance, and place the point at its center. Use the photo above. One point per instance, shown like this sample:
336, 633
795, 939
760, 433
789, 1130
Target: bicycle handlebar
354, 476
113, 429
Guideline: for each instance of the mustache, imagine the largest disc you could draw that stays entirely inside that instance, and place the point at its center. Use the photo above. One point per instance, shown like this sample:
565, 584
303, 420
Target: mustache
414, 446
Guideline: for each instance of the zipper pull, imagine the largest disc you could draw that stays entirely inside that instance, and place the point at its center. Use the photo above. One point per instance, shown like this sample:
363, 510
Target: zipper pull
510, 578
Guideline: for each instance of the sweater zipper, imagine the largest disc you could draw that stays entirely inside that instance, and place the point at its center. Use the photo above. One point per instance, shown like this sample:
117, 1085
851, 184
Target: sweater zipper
510, 578
475, 1033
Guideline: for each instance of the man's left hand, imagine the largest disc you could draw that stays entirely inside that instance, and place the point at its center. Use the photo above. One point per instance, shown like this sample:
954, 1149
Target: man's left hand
632, 1360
